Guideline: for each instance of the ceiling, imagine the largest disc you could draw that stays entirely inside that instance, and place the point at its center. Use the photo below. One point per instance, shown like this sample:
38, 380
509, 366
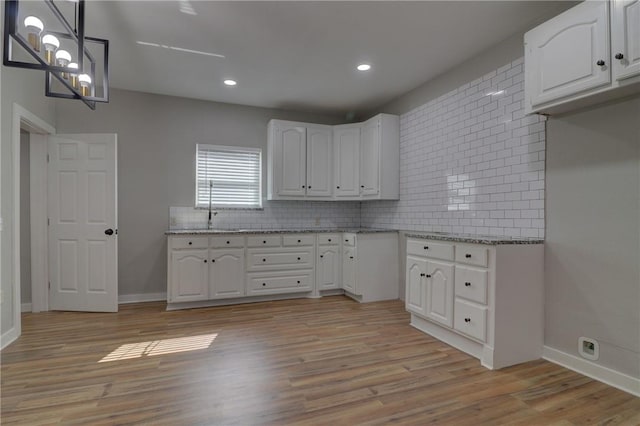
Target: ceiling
299, 55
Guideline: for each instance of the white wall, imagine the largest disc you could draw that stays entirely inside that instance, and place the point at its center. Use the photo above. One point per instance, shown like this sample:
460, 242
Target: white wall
470, 162
26, 88
592, 248
157, 136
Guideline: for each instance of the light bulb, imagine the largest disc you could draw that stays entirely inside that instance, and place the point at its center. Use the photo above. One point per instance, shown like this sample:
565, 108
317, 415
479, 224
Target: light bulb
34, 27
51, 44
74, 74
85, 84
63, 58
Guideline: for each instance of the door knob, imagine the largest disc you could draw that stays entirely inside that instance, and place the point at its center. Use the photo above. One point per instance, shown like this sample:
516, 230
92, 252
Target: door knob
619, 56
108, 231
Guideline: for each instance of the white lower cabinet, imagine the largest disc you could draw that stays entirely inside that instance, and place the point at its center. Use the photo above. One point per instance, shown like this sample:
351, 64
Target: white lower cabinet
484, 299
226, 273
189, 274
349, 270
328, 266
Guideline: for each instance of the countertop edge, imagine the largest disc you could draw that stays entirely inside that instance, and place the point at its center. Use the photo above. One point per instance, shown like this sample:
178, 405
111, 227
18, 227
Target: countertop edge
276, 231
479, 239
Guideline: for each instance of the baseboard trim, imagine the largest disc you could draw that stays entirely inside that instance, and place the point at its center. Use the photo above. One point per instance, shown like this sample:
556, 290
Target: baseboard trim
8, 337
590, 369
25, 307
143, 297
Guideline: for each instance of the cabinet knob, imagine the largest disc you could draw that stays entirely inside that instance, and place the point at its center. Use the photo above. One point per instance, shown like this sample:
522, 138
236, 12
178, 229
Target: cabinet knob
299, 241
190, 243
468, 256
264, 242
329, 240
361, 186
467, 284
205, 261
228, 242
213, 260
467, 320
350, 257
428, 276
600, 63
303, 186
426, 247
321, 256
298, 258
309, 186
337, 187
422, 275
619, 56
298, 282
264, 260
264, 284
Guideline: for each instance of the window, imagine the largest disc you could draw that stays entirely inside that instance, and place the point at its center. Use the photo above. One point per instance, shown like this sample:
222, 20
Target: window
236, 174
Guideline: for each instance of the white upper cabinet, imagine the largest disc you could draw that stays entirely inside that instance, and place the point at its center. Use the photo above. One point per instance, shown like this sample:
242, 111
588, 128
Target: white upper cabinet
359, 161
299, 160
588, 54
347, 160
625, 38
569, 54
319, 161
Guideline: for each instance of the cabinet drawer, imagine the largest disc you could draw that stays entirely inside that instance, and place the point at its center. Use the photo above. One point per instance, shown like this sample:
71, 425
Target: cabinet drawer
192, 242
230, 241
429, 248
263, 241
473, 255
298, 240
349, 239
470, 319
262, 260
275, 283
471, 284
328, 239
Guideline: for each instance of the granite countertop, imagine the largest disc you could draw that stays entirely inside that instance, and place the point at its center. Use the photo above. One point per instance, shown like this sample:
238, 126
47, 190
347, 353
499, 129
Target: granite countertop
274, 231
475, 239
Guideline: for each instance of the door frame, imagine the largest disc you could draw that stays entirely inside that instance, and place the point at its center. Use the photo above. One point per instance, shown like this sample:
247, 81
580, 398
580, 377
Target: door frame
35, 126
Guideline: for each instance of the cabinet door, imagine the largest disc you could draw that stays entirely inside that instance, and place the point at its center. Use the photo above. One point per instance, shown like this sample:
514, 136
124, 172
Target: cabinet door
189, 270
562, 55
226, 273
625, 34
290, 160
328, 268
319, 161
416, 298
440, 287
349, 270
370, 157
346, 161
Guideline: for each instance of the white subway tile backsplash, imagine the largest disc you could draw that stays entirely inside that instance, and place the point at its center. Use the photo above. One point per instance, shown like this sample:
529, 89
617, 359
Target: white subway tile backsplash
470, 161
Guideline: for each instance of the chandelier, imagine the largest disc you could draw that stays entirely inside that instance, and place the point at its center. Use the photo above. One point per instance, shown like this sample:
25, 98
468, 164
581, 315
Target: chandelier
41, 35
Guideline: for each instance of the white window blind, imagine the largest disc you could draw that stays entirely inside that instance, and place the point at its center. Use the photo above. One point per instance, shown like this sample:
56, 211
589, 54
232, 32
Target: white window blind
236, 174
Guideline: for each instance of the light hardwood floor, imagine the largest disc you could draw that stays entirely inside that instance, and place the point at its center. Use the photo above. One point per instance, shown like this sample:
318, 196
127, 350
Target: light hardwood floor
308, 361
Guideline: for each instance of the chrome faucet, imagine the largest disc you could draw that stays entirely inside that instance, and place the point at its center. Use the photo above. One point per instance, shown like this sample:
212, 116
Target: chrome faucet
211, 214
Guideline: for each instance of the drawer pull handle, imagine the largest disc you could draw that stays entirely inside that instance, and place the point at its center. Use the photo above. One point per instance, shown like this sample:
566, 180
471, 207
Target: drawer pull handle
426, 247
346, 241
467, 284
190, 243
428, 276
423, 275
467, 320
468, 256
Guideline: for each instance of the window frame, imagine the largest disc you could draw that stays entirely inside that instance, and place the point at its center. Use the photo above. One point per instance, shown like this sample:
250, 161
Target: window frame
229, 148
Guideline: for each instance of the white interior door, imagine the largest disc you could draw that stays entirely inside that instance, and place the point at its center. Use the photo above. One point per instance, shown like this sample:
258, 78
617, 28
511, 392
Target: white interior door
82, 210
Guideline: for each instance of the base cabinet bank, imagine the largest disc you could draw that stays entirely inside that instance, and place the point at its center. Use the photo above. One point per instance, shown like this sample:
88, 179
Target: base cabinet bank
485, 299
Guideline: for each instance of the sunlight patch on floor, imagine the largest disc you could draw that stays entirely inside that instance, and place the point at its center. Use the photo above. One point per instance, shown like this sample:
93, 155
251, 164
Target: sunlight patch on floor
161, 347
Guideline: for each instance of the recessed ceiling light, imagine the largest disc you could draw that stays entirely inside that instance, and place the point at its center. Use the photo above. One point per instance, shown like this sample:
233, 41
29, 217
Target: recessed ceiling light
364, 67
230, 82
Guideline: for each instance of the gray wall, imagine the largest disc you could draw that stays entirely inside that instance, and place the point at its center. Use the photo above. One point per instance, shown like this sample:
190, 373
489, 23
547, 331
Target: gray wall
592, 250
25, 219
157, 136
25, 88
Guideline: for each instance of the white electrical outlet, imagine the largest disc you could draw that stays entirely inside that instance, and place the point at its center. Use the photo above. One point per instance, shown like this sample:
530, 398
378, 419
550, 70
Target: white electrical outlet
588, 348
